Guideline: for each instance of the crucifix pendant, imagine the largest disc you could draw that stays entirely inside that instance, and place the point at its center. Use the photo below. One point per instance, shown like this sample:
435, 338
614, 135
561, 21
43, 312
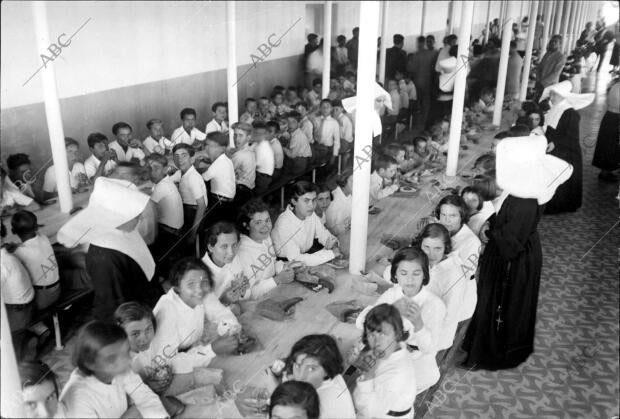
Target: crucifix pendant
499, 320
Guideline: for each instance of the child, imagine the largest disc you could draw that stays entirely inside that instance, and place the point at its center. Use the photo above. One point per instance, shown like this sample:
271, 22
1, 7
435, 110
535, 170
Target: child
294, 400
264, 114
265, 158
349, 83
346, 131
323, 199
314, 95
122, 131
391, 116
134, 152
326, 135
40, 391
486, 102
218, 123
298, 152
479, 209
180, 316
37, 256
423, 154
250, 113
277, 106
338, 214
385, 168
187, 133
291, 98
102, 160
304, 122
244, 162
297, 227
102, 383
192, 189
278, 153
221, 178
77, 172
11, 198
156, 142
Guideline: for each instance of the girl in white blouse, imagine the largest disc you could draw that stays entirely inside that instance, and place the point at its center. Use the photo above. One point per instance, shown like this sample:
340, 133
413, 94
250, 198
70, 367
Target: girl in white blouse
103, 381
422, 311
388, 388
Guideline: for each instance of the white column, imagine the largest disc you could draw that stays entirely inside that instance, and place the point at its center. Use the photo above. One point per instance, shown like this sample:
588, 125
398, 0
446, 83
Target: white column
570, 29
460, 83
502, 9
231, 69
521, 13
548, 12
384, 40
525, 76
423, 19
486, 23
557, 23
52, 110
327, 43
367, 56
450, 17
11, 401
503, 66
564, 30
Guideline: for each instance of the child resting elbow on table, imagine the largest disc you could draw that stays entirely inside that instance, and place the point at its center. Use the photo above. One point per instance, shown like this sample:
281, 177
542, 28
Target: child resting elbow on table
383, 182
11, 199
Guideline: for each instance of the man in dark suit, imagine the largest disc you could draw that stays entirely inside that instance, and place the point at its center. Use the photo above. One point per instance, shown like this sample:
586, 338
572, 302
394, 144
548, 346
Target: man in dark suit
420, 66
395, 58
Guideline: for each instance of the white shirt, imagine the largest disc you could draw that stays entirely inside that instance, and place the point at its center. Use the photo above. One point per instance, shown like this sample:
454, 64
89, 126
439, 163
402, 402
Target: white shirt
134, 153
346, 128
164, 144
181, 136
393, 388
265, 158
49, 180
335, 400
328, 133
259, 264
244, 162
377, 191
214, 126
168, 202
191, 186
221, 173
477, 220
293, 237
11, 195
39, 260
92, 163
466, 245
338, 214
16, 284
87, 397
222, 276
179, 330
120, 152
278, 152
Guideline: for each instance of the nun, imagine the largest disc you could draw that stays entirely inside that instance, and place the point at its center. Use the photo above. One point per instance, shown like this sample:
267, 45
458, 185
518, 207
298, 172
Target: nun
562, 132
118, 261
501, 331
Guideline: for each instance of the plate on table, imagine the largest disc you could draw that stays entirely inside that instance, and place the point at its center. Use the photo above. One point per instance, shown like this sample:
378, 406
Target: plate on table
374, 210
407, 189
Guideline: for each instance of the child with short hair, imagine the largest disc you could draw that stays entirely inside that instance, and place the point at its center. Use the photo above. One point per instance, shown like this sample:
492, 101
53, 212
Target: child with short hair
277, 106
265, 158
326, 135
218, 123
221, 177
338, 214
273, 129
314, 95
291, 98
294, 399
187, 133
346, 131
11, 199
156, 142
134, 152
384, 171
323, 199
244, 162
251, 113
486, 102
298, 152
122, 133
37, 256
264, 114
103, 383
77, 173
40, 393
102, 160
304, 122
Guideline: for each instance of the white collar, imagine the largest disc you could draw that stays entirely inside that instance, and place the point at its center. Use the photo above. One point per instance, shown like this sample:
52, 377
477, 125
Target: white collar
555, 113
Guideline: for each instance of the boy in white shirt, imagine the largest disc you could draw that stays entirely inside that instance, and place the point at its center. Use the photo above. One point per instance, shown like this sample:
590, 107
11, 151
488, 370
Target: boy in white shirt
273, 130
298, 152
156, 142
251, 112
134, 152
102, 160
382, 180
346, 132
326, 135
192, 189
338, 214
77, 172
122, 131
244, 161
187, 133
265, 158
218, 123
221, 178
297, 227
11, 199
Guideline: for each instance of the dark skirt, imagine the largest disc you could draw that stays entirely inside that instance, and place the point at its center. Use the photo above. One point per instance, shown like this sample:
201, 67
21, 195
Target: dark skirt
607, 151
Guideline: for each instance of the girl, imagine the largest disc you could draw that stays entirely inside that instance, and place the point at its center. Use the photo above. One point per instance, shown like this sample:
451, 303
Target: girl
257, 254
423, 311
103, 382
181, 335
479, 209
536, 120
294, 400
389, 387
40, 391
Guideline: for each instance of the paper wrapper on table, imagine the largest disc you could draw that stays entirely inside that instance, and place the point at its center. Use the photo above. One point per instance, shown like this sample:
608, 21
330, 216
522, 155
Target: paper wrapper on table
205, 376
345, 311
277, 310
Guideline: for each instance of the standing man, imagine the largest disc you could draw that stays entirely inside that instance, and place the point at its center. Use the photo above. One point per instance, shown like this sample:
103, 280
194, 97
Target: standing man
550, 67
395, 58
352, 47
420, 66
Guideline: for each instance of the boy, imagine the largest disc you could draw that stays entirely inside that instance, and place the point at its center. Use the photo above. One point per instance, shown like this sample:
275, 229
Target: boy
277, 107
218, 123
264, 114
346, 131
36, 254
250, 113
486, 102
349, 83
385, 168
12, 198
102, 160
304, 122
291, 97
39, 391
187, 133
314, 95
422, 154
296, 228
341, 54
326, 135
244, 162
156, 142
391, 115
122, 131
135, 152
77, 172
20, 174
298, 152
338, 214
265, 158
192, 189
273, 128
221, 175
323, 199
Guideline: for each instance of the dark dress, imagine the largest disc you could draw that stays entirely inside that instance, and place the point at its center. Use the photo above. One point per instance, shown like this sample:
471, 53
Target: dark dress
565, 137
117, 278
607, 151
501, 331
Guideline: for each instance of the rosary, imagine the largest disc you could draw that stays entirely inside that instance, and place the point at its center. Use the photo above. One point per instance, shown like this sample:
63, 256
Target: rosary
499, 317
